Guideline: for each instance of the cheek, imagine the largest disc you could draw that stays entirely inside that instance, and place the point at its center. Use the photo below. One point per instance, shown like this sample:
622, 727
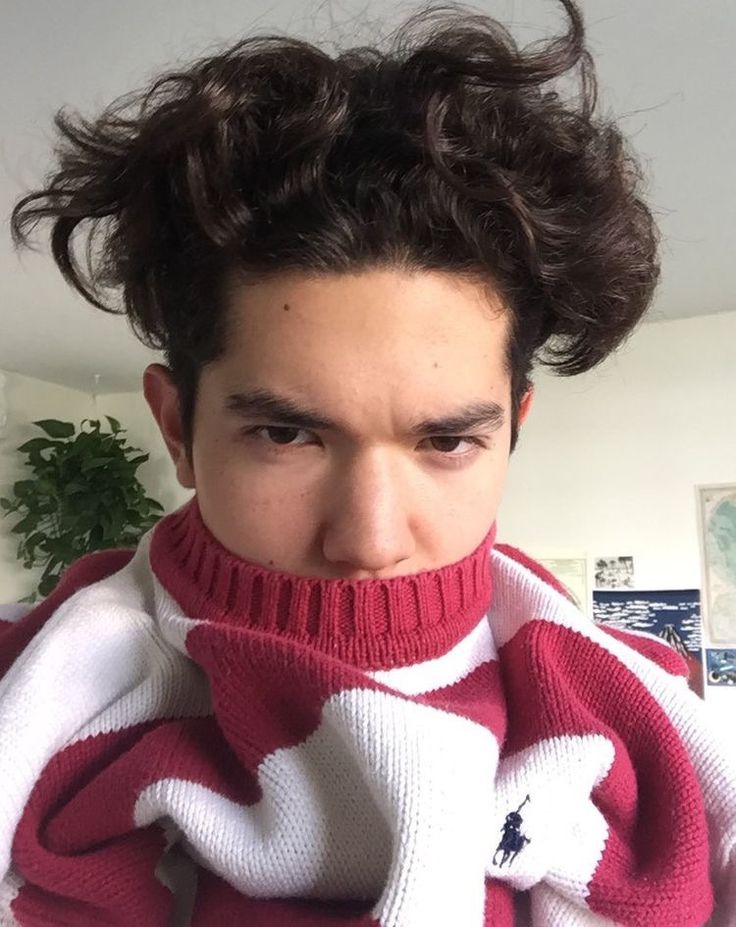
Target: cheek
221, 487
474, 499
252, 510
485, 487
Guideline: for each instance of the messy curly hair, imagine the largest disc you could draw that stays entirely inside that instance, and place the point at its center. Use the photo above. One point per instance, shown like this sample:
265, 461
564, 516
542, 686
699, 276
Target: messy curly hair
450, 150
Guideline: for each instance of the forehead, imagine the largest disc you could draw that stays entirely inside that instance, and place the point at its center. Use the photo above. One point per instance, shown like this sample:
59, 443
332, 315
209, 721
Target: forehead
372, 321
378, 353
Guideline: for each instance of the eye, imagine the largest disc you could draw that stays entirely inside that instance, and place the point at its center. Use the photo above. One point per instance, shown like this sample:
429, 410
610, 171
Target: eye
454, 439
283, 434
278, 437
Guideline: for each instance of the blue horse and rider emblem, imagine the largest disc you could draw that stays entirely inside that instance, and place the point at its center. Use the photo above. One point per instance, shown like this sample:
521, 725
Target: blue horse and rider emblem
512, 839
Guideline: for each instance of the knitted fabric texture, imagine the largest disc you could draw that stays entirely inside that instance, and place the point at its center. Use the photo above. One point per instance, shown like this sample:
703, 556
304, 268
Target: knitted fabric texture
190, 735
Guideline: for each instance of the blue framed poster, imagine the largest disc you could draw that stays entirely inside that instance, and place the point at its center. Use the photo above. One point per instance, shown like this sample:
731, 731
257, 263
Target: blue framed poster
672, 614
721, 667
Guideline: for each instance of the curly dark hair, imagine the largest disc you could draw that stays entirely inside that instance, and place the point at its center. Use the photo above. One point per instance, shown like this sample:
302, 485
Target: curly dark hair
450, 151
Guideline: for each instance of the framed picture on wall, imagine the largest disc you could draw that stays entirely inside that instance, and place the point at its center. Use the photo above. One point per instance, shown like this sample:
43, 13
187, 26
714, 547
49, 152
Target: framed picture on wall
717, 529
572, 572
672, 614
614, 573
721, 667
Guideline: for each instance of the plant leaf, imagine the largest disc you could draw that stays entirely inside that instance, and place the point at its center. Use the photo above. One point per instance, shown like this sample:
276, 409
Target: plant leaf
36, 444
26, 524
55, 428
95, 462
83, 495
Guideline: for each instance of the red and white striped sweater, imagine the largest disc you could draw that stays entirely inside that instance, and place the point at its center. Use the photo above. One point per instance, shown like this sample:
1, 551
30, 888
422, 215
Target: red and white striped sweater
190, 738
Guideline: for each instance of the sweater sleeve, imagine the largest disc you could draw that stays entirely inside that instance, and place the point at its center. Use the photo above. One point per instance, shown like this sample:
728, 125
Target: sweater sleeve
74, 667
15, 635
651, 647
713, 761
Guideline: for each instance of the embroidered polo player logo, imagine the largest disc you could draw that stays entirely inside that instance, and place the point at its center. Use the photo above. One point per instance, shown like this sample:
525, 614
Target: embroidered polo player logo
512, 839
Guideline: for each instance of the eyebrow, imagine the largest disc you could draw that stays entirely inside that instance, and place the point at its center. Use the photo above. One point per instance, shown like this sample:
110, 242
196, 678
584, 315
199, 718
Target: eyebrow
265, 404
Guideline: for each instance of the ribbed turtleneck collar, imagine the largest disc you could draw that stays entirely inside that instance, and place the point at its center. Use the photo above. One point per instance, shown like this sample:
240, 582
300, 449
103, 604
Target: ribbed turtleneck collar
370, 623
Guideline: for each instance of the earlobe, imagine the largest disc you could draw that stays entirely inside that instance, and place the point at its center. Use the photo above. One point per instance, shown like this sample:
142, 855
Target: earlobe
526, 403
162, 397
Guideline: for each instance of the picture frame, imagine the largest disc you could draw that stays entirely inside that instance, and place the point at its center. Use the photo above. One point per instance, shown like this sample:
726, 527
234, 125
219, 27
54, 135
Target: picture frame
716, 508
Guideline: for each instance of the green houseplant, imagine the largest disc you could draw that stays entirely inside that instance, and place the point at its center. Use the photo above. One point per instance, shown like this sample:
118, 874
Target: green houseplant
83, 496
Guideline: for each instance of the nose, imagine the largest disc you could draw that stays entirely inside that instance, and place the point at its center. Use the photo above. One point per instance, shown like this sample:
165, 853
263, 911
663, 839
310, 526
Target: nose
368, 532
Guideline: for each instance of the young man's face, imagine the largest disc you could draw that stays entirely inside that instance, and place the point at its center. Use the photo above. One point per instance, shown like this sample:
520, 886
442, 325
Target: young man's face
376, 354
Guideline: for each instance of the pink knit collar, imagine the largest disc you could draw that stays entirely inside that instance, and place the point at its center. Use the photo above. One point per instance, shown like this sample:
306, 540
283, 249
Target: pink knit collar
370, 623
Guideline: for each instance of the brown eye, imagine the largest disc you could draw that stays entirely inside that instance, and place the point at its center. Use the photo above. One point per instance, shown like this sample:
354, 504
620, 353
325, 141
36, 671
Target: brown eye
447, 444
275, 436
281, 436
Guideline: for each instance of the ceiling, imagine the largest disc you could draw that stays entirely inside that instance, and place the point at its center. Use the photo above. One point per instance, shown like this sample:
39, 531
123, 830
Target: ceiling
666, 69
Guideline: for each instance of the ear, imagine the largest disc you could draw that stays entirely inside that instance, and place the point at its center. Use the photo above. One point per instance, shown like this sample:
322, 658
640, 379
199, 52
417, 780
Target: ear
162, 397
525, 405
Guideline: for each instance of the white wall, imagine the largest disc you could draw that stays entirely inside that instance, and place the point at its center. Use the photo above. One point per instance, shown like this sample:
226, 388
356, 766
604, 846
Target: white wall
608, 460
607, 463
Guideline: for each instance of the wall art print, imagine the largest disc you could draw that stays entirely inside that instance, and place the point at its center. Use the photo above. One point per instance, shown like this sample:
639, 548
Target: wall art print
672, 614
717, 520
614, 573
720, 667
572, 572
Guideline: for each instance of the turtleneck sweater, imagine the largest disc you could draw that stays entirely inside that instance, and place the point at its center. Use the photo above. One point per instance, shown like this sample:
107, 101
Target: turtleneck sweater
369, 623
191, 739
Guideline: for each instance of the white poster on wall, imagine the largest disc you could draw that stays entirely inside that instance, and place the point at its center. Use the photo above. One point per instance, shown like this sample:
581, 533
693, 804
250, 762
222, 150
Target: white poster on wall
717, 523
572, 572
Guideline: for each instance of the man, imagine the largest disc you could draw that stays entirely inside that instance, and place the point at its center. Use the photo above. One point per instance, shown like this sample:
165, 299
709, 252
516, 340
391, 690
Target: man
321, 691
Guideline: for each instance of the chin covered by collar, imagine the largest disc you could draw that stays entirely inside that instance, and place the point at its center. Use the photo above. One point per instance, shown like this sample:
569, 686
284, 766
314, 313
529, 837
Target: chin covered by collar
375, 623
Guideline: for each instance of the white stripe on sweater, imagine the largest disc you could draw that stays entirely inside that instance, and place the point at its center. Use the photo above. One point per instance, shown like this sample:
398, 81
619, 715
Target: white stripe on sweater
9, 888
373, 801
467, 655
552, 910
566, 830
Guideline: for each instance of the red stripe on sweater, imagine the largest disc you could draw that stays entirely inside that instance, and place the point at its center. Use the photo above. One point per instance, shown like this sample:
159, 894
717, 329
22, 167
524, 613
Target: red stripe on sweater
108, 879
478, 696
267, 693
218, 903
